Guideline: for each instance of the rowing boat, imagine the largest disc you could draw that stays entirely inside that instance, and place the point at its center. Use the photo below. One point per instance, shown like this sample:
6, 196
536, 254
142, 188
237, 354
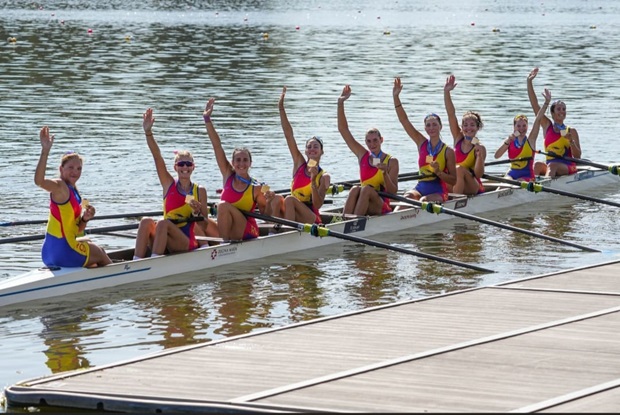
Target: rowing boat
44, 283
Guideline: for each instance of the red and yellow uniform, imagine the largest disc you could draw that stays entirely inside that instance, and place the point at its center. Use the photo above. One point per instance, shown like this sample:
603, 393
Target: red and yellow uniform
301, 188
560, 145
372, 176
524, 168
432, 184
60, 247
243, 201
467, 160
175, 207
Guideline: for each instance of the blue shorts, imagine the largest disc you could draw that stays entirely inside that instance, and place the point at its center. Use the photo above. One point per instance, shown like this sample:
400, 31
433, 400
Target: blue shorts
526, 173
429, 187
57, 252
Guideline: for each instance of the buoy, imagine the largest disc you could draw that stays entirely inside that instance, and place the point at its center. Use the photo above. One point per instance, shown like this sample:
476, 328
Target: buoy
12, 40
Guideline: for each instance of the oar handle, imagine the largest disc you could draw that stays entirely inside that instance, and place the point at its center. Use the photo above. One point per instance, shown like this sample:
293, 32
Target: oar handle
506, 161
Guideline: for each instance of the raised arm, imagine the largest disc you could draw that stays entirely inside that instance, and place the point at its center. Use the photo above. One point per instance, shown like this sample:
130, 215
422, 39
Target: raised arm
455, 129
544, 121
165, 178
415, 135
539, 117
287, 129
225, 167
51, 185
530, 90
343, 125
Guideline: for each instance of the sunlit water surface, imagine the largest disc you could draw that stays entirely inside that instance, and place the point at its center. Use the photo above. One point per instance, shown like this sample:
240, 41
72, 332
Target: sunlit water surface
90, 69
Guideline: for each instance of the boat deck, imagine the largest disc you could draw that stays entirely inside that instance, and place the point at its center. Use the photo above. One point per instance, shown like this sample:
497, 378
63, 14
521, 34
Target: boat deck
548, 343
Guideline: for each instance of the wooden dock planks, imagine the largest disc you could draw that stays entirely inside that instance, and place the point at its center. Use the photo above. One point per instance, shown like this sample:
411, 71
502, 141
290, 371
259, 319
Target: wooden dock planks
546, 343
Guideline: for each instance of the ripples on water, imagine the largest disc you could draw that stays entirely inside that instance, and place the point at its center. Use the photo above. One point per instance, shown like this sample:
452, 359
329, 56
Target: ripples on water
91, 89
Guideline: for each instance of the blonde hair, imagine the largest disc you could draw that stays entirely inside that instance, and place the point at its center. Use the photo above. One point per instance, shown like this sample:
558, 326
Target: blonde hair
183, 153
70, 155
519, 117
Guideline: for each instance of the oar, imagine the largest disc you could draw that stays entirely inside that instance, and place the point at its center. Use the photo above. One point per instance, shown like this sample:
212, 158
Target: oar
116, 216
506, 161
613, 169
321, 231
537, 187
335, 189
102, 230
437, 208
86, 232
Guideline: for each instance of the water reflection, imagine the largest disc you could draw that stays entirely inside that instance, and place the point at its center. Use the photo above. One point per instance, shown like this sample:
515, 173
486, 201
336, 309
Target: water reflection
92, 88
64, 338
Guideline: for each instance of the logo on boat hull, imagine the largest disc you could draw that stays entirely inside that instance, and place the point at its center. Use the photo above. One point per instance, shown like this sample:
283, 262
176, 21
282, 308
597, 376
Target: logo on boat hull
584, 174
357, 225
410, 215
460, 204
505, 192
224, 251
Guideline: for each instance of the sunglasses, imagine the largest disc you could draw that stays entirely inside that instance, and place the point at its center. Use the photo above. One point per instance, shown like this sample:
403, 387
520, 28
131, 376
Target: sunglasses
185, 163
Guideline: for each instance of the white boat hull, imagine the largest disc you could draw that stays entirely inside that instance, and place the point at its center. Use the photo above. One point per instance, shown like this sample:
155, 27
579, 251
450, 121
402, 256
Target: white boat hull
45, 283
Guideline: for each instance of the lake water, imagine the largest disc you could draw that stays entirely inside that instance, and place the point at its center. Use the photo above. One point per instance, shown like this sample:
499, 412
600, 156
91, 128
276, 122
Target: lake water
90, 69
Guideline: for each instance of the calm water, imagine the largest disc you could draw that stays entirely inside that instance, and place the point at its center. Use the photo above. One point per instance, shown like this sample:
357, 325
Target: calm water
92, 87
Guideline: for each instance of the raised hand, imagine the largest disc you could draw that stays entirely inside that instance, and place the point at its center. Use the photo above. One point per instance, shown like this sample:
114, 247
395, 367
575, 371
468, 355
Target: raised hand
209, 107
450, 83
346, 93
532, 74
46, 139
398, 87
547, 95
148, 120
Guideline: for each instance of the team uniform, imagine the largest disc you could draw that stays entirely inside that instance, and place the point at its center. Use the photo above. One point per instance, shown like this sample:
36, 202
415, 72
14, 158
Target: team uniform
301, 188
372, 176
432, 184
522, 169
243, 201
176, 208
60, 246
467, 160
560, 145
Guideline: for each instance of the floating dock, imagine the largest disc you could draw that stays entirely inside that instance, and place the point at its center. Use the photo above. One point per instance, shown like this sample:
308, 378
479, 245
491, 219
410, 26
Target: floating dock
547, 343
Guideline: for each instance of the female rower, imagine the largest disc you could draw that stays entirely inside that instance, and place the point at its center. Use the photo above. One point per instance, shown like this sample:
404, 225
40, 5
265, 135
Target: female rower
521, 147
469, 153
66, 220
435, 158
183, 200
560, 139
310, 182
378, 170
241, 193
